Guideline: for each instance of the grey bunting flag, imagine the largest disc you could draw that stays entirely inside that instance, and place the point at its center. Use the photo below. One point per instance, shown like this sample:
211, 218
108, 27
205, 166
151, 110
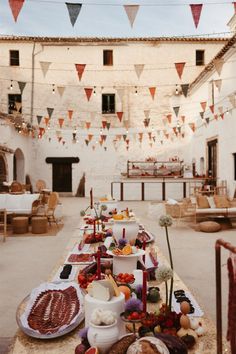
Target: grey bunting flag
74, 10
185, 88
39, 118
50, 111
21, 86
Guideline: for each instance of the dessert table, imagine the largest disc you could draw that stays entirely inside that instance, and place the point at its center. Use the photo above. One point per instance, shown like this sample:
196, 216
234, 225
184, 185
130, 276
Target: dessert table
24, 344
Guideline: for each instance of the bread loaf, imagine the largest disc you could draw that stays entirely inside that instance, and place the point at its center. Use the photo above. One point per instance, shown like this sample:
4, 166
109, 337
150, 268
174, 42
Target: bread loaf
123, 344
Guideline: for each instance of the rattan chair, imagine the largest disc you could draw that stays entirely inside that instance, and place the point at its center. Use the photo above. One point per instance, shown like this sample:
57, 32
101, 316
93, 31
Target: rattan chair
16, 187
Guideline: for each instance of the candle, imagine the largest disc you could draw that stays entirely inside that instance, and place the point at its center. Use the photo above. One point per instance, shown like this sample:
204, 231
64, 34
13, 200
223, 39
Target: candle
99, 265
144, 291
94, 227
91, 198
123, 236
144, 248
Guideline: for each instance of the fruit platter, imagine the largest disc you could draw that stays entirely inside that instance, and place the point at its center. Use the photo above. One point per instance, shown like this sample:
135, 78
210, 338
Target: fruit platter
125, 278
38, 315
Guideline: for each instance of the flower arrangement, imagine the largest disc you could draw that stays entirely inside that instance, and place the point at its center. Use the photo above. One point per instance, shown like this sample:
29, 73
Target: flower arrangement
163, 273
166, 221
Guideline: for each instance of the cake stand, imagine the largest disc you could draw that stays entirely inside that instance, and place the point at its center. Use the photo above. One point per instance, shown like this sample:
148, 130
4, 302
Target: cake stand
125, 263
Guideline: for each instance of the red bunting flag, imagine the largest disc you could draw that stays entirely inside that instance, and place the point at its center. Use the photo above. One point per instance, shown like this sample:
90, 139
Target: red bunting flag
87, 124
88, 92
212, 108
203, 105
60, 121
41, 132
169, 118
70, 113
103, 137
46, 120
150, 135
59, 139
179, 68
234, 3
104, 124
90, 137
119, 115
216, 116
196, 10
222, 116
152, 91
80, 69
167, 135
140, 136
101, 142
183, 118
16, 6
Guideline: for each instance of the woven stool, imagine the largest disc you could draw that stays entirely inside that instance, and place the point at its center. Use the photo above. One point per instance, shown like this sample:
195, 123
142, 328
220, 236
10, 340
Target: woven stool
20, 224
39, 224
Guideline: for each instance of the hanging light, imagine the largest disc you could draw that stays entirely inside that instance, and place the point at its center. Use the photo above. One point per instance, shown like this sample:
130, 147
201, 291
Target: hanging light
101, 131
94, 90
53, 89
176, 90
11, 86
127, 132
136, 90
227, 111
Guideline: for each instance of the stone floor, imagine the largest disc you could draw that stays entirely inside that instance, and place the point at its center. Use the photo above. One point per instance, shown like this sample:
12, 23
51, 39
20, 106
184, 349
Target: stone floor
25, 262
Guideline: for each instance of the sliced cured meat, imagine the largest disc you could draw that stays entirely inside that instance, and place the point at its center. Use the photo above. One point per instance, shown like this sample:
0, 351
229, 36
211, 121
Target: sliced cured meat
53, 309
82, 257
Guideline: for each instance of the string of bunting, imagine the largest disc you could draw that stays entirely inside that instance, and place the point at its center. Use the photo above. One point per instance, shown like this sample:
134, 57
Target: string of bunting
74, 9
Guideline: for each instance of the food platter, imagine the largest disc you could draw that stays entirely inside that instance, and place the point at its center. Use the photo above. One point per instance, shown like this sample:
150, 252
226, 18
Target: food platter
25, 308
132, 255
145, 235
80, 258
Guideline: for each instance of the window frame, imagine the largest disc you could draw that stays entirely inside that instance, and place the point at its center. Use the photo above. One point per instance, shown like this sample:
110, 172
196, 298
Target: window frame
107, 60
15, 95
197, 61
11, 59
109, 110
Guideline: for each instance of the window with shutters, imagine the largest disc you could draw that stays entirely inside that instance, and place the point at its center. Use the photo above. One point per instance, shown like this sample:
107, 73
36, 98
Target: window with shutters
12, 99
108, 57
108, 103
14, 58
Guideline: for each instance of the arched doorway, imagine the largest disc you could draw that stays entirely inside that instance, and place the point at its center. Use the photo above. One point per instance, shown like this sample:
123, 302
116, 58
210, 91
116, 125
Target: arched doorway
19, 166
3, 171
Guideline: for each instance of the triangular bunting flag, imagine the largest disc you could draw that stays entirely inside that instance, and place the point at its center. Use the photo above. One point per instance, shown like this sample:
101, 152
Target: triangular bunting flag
21, 86
50, 111
207, 120
86, 141
124, 137
60, 121
218, 64
70, 113
220, 109
152, 91
234, 3
183, 118
131, 11
222, 116
46, 120
39, 118
218, 84
90, 137
101, 142
139, 69
175, 130
80, 70
18, 106
169, 118
184, 89
108, 125
167, 135
73, 10
232, 100
146, 122
59, 139
88, 125
216, 116
41, 132
140, 136
179, 68
176, 110
183, 134
45, 66
127, 141
201, 115
192, 126
61, 90
120, 93
88, 92
196, 10
104, 124
146, 113
150, 135
212, 108
203, 105
103, 137
119, 115
16, 6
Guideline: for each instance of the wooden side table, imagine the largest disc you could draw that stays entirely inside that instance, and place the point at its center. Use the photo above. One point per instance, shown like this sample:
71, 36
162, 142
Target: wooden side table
4, 223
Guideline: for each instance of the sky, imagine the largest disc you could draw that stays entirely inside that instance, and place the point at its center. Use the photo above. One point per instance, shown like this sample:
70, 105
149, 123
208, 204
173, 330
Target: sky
107, 18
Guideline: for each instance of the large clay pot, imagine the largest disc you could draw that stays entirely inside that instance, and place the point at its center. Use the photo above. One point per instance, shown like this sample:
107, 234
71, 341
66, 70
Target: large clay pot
131, 227
103, 337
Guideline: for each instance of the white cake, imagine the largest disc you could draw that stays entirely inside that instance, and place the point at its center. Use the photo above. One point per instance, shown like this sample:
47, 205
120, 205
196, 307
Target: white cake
116, 304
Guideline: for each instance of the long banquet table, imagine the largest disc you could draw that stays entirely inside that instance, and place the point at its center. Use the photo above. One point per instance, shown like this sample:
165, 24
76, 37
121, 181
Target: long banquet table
66, 344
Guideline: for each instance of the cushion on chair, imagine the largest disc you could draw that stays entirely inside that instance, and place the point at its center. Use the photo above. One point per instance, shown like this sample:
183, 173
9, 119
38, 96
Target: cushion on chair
202, 202
221, 201
209, 226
